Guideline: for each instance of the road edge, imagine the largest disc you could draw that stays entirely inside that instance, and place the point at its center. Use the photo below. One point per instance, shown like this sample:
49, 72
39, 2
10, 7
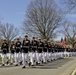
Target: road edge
73, 72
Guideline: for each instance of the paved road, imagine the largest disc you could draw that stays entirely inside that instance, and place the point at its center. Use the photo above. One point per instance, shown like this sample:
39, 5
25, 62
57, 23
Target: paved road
59, 67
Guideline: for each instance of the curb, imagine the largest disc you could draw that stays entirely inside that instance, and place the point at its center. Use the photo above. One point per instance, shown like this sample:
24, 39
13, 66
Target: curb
73, 72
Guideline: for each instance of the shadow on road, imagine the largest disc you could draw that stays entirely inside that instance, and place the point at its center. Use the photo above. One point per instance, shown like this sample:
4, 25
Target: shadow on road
52, 65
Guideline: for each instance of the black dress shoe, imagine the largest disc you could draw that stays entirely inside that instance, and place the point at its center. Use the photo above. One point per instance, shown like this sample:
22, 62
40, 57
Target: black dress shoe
21, 63
2, 65
11, 63
48, 61
30, 64
23, 67
16, 65
7, 62
42, 62
34, 60
36, 63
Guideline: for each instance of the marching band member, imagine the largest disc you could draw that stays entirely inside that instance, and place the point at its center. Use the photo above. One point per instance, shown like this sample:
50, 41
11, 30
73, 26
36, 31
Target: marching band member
53, 51
45, 52
4, 49
12, 49
25, 49
49, 51
34, 55
40, 49
18, 48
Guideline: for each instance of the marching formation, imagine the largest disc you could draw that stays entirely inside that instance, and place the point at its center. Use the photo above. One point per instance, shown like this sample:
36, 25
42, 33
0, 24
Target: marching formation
34, 52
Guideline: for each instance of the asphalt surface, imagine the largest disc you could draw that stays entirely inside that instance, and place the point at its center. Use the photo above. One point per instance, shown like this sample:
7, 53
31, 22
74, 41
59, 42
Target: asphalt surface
59, 67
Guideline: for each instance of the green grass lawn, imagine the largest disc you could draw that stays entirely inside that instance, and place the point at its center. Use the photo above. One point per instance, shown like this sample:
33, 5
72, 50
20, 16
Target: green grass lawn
75, 73
1, 59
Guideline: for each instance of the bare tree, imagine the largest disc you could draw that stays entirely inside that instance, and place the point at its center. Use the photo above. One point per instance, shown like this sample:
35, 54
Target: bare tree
42, 19
69, 30
70, 4
8, 32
